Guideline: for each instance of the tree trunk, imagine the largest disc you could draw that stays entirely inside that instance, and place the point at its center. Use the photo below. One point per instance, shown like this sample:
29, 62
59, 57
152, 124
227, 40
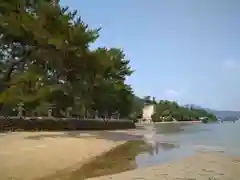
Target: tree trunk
7, 76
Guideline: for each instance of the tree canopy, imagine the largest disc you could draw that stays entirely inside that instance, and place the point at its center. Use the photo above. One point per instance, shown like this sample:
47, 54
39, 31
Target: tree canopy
46, 59
170, 110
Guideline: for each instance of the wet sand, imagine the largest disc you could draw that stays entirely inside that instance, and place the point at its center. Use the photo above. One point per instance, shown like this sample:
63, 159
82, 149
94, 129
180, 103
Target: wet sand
29, 156
202, 166
119, 159
81, 155
121, 162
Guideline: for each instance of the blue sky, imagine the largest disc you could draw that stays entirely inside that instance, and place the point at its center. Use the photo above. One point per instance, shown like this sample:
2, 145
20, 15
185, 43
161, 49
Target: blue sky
183, 50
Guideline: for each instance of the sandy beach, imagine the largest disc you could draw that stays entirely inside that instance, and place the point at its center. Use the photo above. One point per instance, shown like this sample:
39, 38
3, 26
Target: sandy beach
29, 156
56, 155
202, 166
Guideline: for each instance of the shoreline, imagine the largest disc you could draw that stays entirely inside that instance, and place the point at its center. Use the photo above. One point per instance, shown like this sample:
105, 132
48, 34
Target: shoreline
178, 122
61, 154
201, 166
36, 155
169, 122
107, 163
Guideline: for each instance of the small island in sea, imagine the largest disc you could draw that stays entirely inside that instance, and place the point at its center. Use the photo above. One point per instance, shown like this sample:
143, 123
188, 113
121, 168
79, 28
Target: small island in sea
171, 111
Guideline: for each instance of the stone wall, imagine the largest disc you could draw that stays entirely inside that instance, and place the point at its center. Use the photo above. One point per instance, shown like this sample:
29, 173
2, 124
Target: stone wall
64, 124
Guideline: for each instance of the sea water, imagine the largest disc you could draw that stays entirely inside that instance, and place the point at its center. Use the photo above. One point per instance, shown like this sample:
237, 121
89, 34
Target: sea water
175, 141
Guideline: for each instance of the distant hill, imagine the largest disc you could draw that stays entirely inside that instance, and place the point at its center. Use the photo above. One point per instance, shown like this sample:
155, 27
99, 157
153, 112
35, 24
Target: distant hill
193, 106
219, 113
225, 114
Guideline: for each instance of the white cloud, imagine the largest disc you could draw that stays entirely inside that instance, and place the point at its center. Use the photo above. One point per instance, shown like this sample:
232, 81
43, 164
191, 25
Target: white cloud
171, 93
231, 64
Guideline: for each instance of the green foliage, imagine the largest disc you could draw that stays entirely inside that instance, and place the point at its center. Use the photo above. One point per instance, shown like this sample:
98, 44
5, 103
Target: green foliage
149, 100
169, 111
46, 59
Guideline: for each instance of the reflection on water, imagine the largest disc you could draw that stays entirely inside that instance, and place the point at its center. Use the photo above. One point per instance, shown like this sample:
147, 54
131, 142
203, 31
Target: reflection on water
171, 142
187, 138
223, 137
179, 128
116, 160
125, 157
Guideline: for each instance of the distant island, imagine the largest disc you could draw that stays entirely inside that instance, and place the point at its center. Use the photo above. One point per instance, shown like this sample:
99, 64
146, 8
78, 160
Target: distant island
172, 111
220, 114
167, 111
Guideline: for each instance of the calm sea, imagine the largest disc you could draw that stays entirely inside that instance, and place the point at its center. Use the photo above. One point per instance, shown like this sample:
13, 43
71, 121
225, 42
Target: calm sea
169, 142
176, 141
